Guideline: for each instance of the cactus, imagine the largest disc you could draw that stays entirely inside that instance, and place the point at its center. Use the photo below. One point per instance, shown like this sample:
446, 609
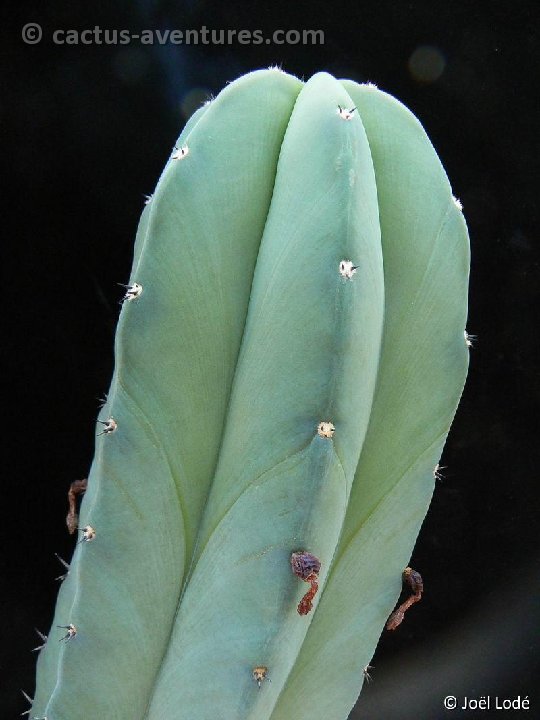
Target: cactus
289, 356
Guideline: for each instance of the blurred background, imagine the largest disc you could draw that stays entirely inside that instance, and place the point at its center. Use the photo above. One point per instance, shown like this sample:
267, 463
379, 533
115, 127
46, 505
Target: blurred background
86, 131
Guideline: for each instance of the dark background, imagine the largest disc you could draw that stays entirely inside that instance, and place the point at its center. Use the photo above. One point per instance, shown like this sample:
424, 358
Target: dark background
87, 130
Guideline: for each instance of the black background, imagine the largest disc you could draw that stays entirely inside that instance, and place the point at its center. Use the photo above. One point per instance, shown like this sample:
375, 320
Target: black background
87, 130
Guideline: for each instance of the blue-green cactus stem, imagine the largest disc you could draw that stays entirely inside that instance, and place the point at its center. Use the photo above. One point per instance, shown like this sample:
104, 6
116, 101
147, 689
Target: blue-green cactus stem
288, 360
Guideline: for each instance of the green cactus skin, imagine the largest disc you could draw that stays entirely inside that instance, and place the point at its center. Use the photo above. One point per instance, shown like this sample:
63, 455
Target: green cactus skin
244, 338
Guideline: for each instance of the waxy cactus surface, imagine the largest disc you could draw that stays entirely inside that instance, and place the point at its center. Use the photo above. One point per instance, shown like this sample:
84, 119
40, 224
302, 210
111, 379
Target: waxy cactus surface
289, 357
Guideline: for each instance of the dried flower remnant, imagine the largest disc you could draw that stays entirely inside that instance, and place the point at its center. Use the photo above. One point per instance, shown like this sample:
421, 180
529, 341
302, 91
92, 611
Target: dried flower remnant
77, 487
415, 582
306, 566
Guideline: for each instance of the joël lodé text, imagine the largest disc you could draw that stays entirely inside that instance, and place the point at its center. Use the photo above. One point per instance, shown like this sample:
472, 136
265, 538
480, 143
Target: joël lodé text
486, 702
